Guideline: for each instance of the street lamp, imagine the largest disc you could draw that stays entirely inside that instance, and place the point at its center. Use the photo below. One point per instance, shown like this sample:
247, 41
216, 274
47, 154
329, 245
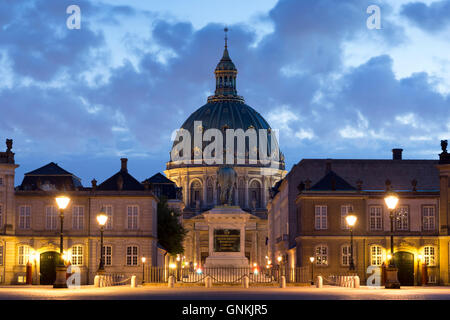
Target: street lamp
60, 282
351, 220
143, 269
391, 199
312, 269
101, 219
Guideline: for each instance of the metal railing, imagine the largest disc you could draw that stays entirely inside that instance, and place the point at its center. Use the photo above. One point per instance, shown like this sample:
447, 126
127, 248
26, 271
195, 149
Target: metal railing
227, 275
113, 279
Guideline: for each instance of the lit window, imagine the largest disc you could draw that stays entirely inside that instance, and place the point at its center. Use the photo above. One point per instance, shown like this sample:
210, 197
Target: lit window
24, 255
321, 217
402, 219
321, 254
25, 217
429, 255
132, 212
132, 256
345, 210
1, 255
78, 217
50, 218
376, 218
77, 255
1, 215
429, 218
107, 258
376, 255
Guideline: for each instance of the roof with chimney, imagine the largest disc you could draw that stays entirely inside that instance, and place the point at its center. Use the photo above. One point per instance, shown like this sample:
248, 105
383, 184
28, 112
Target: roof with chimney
121, 181
50, 177
371, 173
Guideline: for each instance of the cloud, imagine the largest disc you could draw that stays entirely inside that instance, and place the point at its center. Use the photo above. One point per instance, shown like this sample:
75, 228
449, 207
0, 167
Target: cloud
432, 17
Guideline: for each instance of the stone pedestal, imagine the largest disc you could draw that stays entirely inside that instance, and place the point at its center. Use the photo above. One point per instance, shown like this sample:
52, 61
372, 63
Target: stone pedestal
391, 278
60, 281
226, 225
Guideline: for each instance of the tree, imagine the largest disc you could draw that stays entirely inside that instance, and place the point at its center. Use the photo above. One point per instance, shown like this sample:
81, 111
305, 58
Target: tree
170, 230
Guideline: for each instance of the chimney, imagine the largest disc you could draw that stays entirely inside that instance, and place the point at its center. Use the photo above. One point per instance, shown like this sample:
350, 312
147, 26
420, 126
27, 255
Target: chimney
94, 184
397, 154
124, 164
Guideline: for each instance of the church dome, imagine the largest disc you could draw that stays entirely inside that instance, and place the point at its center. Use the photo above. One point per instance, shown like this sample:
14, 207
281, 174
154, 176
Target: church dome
227, 110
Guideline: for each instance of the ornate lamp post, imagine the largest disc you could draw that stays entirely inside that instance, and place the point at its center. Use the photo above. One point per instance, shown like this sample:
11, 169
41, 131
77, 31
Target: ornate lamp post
143, 269
311, 259
351, 220
60, 282
392, 282
280, 265
101, 219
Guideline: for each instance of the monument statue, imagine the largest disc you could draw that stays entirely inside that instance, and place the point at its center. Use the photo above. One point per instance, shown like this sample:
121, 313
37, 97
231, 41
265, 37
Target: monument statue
226, 178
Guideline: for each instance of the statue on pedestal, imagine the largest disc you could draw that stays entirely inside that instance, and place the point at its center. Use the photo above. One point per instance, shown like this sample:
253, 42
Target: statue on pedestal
226, 179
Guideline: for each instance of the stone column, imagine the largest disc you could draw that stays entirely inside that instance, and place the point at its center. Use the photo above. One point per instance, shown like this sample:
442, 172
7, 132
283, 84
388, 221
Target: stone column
263, 196
211, 239
214, 190
246, 191
204, 191
243, 239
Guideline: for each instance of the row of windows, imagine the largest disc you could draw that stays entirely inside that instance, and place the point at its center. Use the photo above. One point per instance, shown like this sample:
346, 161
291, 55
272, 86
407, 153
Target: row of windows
321, 254
77, 255
78, 217
376, 218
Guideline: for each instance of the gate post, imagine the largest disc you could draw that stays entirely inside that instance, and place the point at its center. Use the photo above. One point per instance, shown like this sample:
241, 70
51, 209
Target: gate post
319, 282
246, 281
208, 282
171, 281
282, 282
97, 281
133, 281
356, 282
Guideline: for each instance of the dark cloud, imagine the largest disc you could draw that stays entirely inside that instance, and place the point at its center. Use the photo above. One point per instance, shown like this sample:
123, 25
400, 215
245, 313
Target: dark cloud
432, 17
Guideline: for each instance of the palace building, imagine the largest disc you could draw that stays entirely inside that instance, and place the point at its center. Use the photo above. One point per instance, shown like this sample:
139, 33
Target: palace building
308, 209
30, 222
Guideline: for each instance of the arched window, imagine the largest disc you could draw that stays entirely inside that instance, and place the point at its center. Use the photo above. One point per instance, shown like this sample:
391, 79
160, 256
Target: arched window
254, 194
226, 81
220, 82
196, 193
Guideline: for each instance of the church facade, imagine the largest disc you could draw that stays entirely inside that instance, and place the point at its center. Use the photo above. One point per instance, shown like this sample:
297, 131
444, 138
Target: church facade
201, 189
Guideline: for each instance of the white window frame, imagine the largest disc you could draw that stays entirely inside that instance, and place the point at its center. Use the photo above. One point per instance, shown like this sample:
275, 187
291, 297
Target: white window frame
345, 210
76, 257
429, 218
1, 214
376, 256
402, 222
132, 255
78, 217
23, 255
346, 255
25, 217
321, 217
321, 255
429, 255
51, 218
1, 254
132, 217
108, 209
107, 255
376, 216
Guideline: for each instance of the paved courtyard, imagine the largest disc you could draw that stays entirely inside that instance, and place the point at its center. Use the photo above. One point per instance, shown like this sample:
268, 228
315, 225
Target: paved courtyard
200, 293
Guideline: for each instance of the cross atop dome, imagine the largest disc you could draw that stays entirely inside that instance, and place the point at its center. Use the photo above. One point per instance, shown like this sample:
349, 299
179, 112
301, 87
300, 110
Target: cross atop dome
225, 73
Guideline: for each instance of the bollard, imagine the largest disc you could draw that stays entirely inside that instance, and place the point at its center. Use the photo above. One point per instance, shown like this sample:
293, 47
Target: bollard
97, 281
282, 282
319, 282
171, 282
352, 281
246, 281
357, 282
208, 282
133, 281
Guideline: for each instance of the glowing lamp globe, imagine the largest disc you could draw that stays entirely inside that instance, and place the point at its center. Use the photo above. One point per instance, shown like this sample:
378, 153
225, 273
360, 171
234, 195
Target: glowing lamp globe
311, 259
102, 218
391, 200
62, 202
351, 220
